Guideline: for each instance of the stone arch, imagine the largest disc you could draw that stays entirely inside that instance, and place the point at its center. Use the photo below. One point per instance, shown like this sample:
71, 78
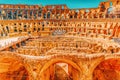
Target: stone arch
44, 15
58, 60
75, 14
15, 14
7, 28
25, 14
109, 9
48, 15
13, 64
9, 14
25, 27
107, 69
110, 12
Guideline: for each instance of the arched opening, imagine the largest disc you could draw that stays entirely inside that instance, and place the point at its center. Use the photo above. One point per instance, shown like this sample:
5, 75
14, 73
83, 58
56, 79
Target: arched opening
15, 14
107, 70
12, 69
25, 28
35, 14
1, 33
102, 7
9, 14
60, 69
76, 14
40, 12
44, 16
7, 29
71, 16
15, 29
101, 15
48, 15
110, 12
3, 14
43, 25
31, 14
19, 14
25, 14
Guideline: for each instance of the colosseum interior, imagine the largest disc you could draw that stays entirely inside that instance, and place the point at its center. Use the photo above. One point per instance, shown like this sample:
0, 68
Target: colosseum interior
54, 42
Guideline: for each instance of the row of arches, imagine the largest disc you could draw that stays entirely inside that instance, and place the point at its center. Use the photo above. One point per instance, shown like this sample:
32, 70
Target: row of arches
86, 15
107, 30
58, 69
20, 27
13, 14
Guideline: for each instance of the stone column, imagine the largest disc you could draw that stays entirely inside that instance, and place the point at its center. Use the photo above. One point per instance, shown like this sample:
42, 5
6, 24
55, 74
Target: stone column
52, 72
70, 70
16, 14
27, 14
87, 74
82, 16
75, 74
47, 74
6, 14
12, 13
23, 14
32, 16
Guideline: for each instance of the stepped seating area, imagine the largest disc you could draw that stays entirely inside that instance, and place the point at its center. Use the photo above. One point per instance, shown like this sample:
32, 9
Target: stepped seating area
81, 39
62, 44
84, 45
101, 30
104, 29
58, 36
37, 46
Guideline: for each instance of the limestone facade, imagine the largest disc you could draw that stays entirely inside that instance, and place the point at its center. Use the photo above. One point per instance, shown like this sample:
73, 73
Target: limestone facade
60, 43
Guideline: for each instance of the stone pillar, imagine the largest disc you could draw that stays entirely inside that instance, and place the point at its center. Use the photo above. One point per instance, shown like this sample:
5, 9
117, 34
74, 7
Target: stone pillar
6, 14
32, 14
12, 13
87, 74
47, 74
16, 14
70, 71
98, 15
104, 16
82, 16
75, 74
42, 77
23, 14
52, 72
27, 14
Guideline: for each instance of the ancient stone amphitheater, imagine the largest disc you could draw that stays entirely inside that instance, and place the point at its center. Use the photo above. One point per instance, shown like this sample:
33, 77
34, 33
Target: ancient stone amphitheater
54, 42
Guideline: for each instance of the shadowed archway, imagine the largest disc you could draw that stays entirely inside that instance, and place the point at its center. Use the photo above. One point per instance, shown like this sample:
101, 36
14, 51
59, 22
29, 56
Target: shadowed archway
53, 69
12, 69
107, 70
